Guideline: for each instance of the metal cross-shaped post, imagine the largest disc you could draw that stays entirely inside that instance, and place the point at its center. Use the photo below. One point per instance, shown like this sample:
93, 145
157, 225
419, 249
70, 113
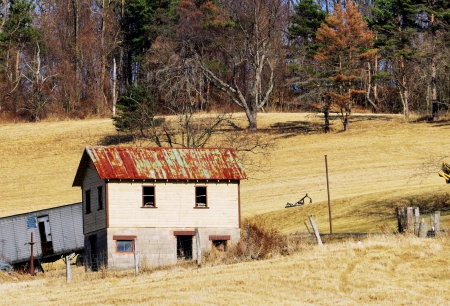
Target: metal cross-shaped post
31, 270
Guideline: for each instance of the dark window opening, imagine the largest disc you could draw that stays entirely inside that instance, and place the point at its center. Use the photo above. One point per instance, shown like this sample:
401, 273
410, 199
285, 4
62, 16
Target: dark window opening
100, 197
220, 245
184, 247
148, 198
125, 246
87, 198
200, 197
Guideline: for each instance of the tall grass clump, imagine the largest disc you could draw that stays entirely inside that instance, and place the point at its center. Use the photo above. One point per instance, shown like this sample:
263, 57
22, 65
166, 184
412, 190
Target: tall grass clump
259, 240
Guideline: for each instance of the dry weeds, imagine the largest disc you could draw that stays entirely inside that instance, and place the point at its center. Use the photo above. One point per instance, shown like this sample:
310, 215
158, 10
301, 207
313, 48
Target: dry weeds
387, 269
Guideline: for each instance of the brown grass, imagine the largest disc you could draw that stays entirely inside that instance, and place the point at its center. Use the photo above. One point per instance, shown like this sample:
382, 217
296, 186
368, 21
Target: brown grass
388, 269
379, 164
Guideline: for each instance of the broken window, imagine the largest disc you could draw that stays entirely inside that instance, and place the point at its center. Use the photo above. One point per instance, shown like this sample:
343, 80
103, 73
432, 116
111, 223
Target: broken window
100, 197
220, 245
200, 196
87, 199
148, 196
184, 247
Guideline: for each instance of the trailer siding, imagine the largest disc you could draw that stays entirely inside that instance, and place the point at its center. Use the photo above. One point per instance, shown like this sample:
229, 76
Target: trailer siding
66, 230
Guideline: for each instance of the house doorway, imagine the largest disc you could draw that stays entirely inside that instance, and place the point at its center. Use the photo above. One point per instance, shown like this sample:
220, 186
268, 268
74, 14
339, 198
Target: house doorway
184, 247
94, 255
45, 235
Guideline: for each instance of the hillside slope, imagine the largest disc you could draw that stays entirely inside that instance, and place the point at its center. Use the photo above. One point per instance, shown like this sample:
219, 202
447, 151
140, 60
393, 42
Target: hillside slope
380, 160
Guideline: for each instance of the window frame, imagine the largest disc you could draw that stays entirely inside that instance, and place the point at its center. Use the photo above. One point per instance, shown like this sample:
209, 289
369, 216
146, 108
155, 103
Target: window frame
128, 239
216, 243
153, 196
87, 200
100, 198
131, 246
216, 240
197, 195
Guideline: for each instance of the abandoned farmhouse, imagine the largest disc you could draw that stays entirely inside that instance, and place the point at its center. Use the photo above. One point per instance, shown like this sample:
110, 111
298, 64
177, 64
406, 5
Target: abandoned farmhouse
157, 202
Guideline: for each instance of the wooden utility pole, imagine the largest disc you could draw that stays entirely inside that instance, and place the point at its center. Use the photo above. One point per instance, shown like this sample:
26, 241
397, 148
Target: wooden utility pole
328, 192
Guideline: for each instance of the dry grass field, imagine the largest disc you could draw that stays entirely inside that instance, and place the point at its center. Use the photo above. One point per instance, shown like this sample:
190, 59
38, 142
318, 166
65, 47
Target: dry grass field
379, 164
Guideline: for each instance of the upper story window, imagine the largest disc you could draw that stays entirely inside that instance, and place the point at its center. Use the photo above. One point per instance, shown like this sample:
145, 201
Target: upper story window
200, 196
87, 200
148, 196
100, 197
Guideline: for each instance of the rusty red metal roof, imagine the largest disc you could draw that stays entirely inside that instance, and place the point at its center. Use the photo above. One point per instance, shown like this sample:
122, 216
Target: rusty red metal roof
140, 163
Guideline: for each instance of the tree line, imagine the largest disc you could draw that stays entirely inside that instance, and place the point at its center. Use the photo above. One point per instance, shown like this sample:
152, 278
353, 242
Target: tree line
137, 59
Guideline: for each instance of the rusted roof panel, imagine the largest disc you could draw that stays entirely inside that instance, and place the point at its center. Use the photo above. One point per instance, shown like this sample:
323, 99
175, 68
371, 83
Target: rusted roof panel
117, 162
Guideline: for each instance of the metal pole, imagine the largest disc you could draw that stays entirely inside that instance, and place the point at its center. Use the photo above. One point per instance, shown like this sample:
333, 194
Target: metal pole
32, 256
328, 191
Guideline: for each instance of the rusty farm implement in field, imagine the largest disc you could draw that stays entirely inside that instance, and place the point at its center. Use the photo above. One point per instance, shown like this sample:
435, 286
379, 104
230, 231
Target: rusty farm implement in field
299, 202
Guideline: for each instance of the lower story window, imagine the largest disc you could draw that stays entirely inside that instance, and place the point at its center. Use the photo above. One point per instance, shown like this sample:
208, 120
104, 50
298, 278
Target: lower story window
184, 247
220, 242
220, 245
124, 244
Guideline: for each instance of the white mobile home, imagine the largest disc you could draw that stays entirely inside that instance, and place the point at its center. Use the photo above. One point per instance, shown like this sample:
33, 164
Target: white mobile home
156, 199
56, 231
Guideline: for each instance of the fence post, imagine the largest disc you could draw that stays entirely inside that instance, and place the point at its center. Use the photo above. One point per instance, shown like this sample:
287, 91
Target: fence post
423, 229
136, 257
68, 269
199, 250
409, 220
417, 214
401, 219
316, 232
437, 223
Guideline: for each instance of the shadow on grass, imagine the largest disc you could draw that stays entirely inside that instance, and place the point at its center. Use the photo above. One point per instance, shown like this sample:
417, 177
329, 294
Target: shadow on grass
292, 128
440, 123
285, 129
113, 140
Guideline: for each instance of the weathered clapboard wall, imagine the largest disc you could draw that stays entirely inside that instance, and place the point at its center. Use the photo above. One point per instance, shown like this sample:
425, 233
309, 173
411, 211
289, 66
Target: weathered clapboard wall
60, 227
175, 203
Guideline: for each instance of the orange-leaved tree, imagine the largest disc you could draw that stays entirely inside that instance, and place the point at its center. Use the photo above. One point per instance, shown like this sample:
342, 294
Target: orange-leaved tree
346, 43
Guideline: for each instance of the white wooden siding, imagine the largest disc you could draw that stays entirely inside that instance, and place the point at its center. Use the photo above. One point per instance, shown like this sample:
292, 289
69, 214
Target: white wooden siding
175, 203
96, 220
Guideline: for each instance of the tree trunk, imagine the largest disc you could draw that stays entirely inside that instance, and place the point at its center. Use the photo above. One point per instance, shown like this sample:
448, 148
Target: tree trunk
435, 108
103, 52
403, 87
252, 121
